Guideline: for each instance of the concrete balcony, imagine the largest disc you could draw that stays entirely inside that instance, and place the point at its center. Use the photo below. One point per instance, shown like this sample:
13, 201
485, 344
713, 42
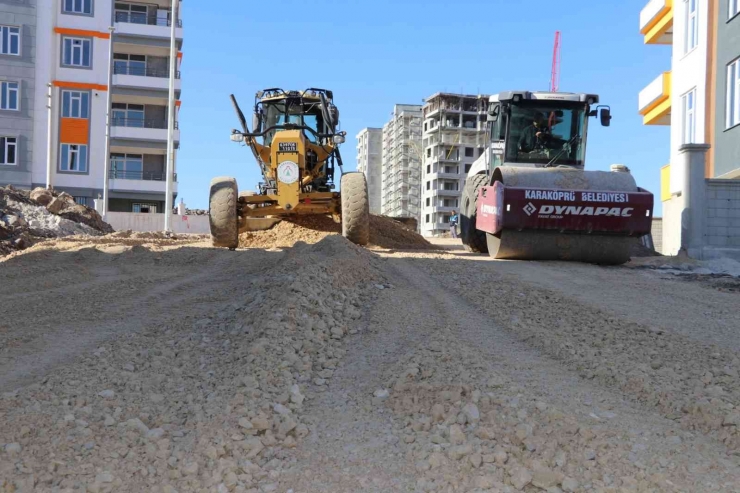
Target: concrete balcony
656, 22
141, 130
655, 101
443, 176
442, 193
144, 26
139, 181
144, 78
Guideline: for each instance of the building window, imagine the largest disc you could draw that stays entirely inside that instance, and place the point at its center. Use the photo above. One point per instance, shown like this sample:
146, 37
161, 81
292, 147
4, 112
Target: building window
77, 52
129, 115
144, 208
8, 146
77, 7
733, 94
10, 40
127, 166
692, 25
734, 6
9, 96
73, 158
427, 201
689, 117
80, 200
75, 104
467, 167
134, 14
427, 185
129, 64
427, 218
469, 152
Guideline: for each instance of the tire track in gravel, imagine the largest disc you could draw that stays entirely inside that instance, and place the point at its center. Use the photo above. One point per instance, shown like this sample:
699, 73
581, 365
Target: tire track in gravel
357, 445
691, 383
436, 308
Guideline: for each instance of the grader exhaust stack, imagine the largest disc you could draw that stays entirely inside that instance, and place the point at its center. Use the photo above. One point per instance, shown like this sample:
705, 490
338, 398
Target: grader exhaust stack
529, 197
295, 142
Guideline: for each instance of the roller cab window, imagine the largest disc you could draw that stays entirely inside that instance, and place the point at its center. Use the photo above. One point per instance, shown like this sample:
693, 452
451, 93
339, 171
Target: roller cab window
538, 133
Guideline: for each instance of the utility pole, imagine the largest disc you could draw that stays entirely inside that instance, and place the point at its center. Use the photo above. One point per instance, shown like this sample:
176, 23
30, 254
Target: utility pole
49, 147
106, 159
171, 120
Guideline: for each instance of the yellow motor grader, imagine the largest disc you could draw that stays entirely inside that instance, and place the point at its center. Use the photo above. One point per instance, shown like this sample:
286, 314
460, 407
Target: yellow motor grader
295, 142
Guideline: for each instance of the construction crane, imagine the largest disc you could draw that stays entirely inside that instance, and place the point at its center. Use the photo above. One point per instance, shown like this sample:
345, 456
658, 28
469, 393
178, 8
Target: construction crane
555, 74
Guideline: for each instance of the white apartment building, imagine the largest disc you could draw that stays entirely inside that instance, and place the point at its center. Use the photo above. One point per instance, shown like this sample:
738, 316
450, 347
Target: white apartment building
72, 51
370, 162
402, 162
699, 97
454, 136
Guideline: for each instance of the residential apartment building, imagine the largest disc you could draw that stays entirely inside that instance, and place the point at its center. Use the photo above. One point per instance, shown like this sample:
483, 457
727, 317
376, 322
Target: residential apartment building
401, 169
370, 162
454, 131
76, 36
699, 97
17, 89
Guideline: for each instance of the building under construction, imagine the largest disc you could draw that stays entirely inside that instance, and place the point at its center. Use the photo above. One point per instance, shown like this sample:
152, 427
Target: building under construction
370, 162
454, 135
402, 151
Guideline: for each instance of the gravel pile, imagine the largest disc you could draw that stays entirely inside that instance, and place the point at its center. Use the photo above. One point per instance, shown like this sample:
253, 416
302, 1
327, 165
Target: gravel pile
207, 404
385, 233
29, 217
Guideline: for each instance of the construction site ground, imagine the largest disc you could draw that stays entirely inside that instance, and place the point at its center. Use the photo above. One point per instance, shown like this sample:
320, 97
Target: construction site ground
145, 363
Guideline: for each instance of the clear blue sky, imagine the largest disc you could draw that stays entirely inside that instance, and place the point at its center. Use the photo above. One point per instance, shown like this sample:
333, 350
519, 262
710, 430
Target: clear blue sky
374, 54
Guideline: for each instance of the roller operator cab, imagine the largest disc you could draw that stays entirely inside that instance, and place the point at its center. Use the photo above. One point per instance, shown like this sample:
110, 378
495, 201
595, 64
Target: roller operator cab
529, 196
295, 141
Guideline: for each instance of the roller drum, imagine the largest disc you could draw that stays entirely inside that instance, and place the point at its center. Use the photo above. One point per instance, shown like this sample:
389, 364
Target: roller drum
553, 245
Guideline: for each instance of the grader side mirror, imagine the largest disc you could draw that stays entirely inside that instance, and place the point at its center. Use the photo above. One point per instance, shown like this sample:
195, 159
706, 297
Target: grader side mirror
605, 116
237, 137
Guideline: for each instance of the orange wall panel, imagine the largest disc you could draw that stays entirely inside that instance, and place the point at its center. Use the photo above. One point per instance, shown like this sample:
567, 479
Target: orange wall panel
75, 130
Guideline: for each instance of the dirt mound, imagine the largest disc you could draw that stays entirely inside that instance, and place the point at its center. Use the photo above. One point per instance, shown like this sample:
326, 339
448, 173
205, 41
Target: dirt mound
27, 217
640, 250
385, 232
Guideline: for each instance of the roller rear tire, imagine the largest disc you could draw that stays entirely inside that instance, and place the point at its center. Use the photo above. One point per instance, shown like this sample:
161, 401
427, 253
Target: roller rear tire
473, 240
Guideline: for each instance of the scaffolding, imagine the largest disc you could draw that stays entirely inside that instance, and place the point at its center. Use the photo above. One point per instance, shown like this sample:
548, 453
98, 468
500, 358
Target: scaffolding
402, 163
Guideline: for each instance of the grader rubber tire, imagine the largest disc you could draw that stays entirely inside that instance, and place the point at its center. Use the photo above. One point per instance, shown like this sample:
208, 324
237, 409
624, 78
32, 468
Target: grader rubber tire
472, 239
355, 208
223, 214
